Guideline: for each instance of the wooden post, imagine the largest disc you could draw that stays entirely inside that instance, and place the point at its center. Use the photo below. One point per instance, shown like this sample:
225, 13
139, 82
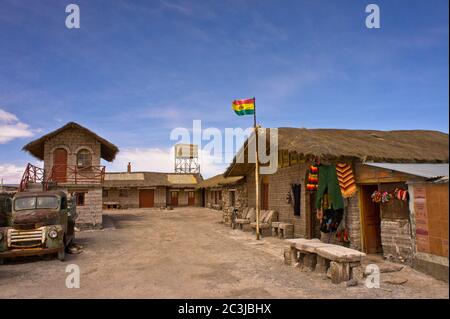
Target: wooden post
256, 170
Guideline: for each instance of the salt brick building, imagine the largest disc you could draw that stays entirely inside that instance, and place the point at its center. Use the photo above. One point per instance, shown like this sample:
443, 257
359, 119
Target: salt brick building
72, 162
150, 189
373, 228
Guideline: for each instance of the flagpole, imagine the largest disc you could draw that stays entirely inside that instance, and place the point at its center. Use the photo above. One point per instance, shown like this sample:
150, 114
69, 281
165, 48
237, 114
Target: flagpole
256, 170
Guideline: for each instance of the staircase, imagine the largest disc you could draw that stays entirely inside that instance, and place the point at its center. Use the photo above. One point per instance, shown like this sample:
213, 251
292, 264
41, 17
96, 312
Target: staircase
34, 179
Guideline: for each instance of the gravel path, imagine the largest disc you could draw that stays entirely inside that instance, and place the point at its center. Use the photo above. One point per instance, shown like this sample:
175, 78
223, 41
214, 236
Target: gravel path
187, 253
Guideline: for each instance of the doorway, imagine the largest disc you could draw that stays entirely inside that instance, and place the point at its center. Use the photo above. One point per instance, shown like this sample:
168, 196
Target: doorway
59, 173
371, 221
146, 198
174, 198
191, 198
265, 196
314, 222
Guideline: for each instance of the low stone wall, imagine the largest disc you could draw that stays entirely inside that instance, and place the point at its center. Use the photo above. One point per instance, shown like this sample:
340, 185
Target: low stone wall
396, 240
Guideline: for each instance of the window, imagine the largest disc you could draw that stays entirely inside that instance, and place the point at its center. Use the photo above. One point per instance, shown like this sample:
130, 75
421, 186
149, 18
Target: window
123, 192
220, 195
40, 202
105, 193
84, 158
80, 199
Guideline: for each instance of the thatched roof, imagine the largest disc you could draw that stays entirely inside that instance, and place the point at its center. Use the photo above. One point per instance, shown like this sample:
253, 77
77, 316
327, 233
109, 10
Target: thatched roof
36, 147
219, 180
151, 179
405, 146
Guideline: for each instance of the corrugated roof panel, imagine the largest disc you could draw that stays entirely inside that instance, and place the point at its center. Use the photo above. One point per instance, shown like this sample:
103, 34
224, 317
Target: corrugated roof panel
427, 170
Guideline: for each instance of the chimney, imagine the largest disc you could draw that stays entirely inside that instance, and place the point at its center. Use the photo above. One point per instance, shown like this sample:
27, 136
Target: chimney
129, 167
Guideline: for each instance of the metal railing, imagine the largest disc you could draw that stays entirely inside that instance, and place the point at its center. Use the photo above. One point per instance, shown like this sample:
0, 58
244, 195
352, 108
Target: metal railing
62, 174
77, 175
33, 174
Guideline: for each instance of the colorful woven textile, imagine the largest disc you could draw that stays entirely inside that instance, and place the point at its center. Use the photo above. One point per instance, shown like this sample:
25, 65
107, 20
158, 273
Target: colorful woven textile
346, 179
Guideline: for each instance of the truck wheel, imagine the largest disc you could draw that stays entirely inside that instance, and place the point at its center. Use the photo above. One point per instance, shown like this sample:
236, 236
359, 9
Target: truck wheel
62, 254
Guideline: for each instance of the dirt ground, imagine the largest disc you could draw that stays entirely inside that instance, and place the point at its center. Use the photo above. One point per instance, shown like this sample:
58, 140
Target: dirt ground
187, 253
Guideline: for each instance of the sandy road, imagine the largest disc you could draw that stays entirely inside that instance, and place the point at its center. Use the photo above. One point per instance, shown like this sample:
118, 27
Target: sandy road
187, 253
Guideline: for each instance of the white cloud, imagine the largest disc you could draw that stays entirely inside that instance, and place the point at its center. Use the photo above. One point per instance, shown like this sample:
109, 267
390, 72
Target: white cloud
160, 160
11, 173
11, 127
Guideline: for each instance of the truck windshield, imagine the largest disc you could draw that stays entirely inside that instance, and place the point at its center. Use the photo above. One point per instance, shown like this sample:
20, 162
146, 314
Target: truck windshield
40, 202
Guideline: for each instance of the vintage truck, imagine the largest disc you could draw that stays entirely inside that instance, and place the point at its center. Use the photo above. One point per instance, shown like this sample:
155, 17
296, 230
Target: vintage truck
37, 223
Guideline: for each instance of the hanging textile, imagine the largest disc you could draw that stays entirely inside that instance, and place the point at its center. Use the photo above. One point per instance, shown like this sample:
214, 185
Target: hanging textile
331, 220
328, 183
313, 178
346, 179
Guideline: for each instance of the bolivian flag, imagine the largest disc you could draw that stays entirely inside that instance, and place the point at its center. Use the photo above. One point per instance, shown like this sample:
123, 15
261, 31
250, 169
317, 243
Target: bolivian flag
244, 107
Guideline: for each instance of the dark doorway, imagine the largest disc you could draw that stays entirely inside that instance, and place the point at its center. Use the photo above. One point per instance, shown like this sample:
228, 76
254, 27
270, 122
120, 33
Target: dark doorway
315, 223
203, 197
371, 221
265, 196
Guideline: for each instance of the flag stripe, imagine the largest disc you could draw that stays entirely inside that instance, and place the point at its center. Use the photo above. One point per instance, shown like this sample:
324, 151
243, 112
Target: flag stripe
246, 101
244, 112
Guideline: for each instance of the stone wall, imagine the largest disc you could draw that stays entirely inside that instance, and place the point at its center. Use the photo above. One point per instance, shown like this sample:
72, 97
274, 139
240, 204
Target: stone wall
396, 240
132, 200
72, 140
90, 214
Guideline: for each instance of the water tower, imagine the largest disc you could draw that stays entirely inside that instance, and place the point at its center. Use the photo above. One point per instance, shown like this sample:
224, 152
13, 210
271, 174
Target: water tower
186, 159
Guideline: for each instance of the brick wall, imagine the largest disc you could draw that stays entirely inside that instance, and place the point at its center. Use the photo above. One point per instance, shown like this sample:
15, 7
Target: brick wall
353, 221
279, 187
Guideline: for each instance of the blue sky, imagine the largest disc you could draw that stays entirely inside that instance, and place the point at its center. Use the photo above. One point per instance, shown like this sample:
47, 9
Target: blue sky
137, 69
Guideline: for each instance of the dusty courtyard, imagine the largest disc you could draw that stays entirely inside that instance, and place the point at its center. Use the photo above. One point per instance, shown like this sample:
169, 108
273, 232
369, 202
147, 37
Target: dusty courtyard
187, 253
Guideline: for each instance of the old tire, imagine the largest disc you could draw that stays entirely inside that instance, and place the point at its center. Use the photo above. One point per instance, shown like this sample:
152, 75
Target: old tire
62, 254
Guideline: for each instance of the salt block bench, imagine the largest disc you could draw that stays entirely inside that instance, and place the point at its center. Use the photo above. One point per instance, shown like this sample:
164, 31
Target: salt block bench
265, 223
312, 254
248, 216
109, 205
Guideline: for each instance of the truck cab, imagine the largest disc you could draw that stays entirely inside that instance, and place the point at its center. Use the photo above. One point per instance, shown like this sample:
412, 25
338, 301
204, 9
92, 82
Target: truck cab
38, 223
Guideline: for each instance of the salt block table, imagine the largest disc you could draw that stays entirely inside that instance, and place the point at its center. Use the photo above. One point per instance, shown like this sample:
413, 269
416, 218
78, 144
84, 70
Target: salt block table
275, 229
341, 261
285, 230
312, 254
